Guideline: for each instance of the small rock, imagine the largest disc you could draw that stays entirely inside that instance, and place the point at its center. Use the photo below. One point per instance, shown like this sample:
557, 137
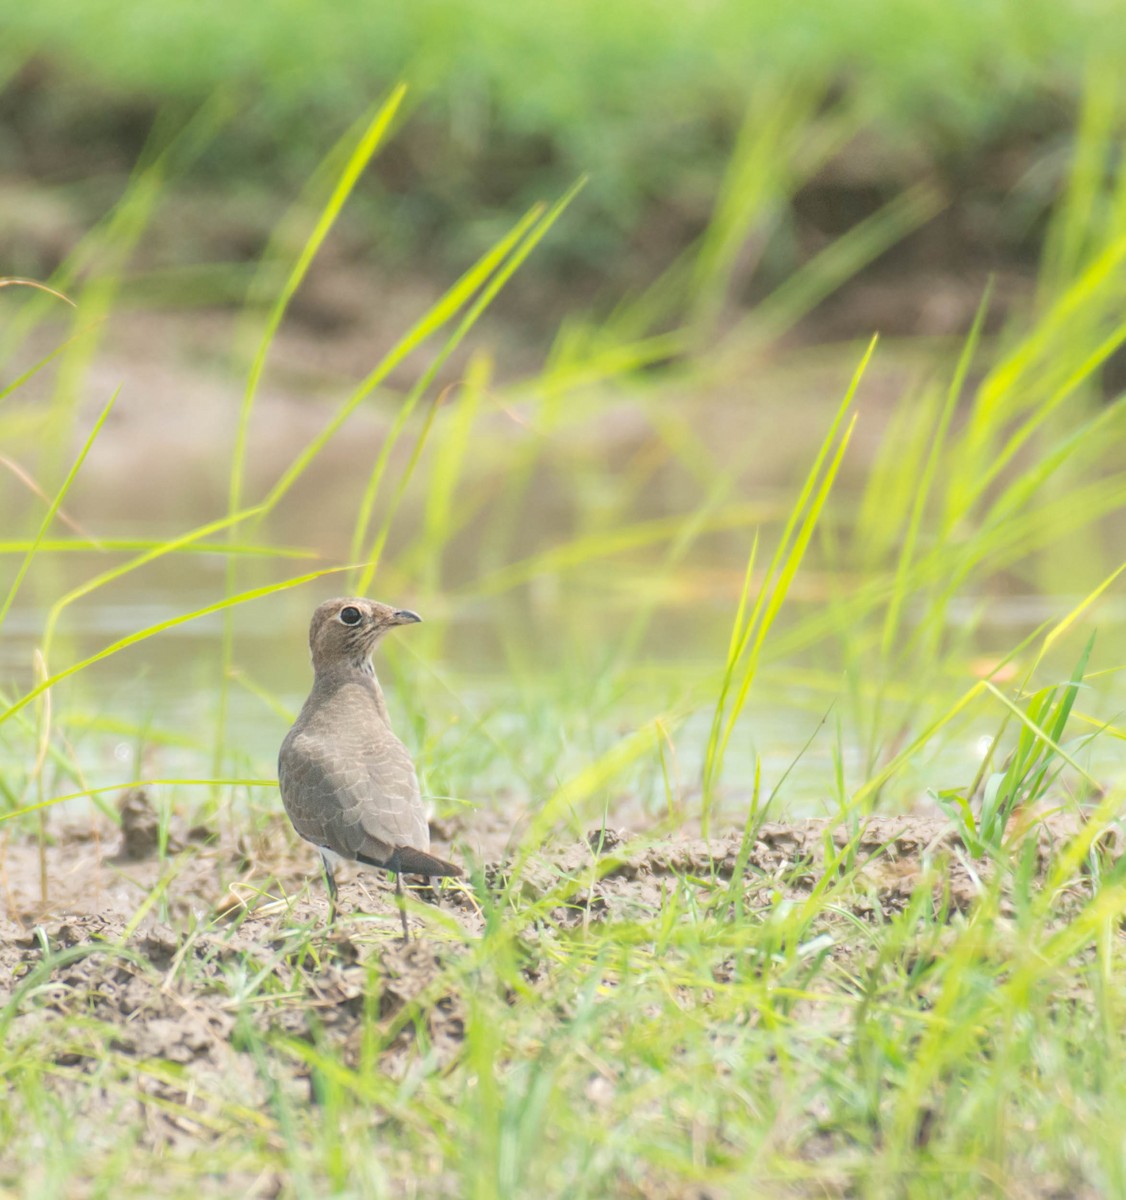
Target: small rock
140, 826
603, 841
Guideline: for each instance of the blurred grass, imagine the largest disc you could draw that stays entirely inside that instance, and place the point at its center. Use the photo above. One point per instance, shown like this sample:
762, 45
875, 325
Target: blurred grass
588, 78
511, 104
760, 1031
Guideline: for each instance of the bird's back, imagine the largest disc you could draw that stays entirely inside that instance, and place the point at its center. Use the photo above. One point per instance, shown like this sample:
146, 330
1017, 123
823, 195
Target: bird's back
347, 782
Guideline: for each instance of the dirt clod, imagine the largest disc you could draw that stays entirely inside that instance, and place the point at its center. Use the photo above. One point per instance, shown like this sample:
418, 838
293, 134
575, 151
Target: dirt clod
140, 825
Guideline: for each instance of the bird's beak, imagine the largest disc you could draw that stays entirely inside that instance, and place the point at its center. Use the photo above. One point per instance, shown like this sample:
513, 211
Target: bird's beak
405, 617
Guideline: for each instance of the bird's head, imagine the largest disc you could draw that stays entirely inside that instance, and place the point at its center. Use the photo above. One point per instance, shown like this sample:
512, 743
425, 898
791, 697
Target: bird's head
345, 631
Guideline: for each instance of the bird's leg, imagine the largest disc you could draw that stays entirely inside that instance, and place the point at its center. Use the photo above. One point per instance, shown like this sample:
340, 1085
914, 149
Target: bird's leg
402, 906
330, 881
395, 865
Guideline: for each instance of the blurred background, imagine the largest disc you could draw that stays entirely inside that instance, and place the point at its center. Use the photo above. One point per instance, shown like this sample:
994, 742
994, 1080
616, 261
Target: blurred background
570, 486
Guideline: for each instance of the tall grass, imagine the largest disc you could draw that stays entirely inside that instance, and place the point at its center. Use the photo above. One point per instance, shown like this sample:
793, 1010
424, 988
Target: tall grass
828, 1020
943, 510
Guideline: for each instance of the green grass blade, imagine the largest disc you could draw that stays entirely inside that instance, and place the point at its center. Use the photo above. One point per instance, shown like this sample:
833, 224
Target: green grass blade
103, 546
149, 555
837, 263
35, 368
160, 626
370, 141
434, 318
798, 530
900, 591
1063, 713
354, 164
488, 294
788, 568
60, 495
86, 793
1037, 733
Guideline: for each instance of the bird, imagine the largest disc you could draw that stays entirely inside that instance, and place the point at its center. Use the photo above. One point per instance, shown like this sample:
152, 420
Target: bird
347, 783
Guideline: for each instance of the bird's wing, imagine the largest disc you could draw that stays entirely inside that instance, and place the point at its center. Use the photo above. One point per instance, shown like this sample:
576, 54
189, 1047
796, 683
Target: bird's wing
358, 797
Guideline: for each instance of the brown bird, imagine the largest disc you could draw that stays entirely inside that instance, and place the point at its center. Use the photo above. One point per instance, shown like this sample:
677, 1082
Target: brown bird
347, 782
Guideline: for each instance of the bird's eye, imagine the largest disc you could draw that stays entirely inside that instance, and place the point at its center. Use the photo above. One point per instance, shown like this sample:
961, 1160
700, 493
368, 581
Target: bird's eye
350, 616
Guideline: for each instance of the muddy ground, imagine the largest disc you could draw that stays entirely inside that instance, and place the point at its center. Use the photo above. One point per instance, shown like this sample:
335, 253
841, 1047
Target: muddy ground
133, 953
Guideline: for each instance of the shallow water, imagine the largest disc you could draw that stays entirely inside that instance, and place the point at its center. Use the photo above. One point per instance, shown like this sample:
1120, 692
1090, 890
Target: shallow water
535, 664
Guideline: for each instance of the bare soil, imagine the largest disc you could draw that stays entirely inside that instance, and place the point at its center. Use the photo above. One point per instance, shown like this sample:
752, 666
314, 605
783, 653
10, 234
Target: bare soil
132, 952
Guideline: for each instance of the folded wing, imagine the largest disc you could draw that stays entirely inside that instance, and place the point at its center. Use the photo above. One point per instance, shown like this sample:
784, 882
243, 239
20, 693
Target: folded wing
361, 801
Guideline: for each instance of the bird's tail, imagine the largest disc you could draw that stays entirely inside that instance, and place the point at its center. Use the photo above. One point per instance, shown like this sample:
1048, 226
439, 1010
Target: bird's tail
416, 862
